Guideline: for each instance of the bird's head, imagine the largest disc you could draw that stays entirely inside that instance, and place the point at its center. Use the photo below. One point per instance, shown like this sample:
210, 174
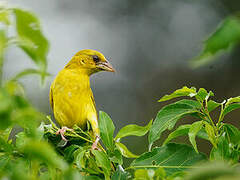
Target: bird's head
90, 61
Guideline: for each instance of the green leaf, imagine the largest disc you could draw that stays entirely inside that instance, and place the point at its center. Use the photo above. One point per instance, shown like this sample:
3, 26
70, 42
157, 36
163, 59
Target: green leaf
71, 174
183, 130
211, 105
4, 134
69, 152
211, 134
92, 178
14, 88
5, 120
232, 100
169, 115
107, 128
233, 134
213, 171
19, 169
177, 175
195, 128
21, 139
6, 146
6, 107
180, 131
160, 173
120, 174
31, 39
226, 36
185, 91
133, 130
231, 104
103, 162
192, 103
4, 160
3, 45
115, 156
124, 150
201, 94
172, 157
4, 16
43, 152
27, 72
221, 152
230, 108
91, 165
79, 158
143, 174
203, 134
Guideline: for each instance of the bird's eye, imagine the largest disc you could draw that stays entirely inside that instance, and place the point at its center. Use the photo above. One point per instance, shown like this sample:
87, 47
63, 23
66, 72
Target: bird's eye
96, 58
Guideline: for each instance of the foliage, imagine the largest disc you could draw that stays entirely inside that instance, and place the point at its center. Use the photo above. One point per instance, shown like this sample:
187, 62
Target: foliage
31, 149
226, 36
28, 36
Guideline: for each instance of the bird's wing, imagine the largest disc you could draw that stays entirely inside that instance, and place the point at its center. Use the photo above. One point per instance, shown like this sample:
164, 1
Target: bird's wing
93, 101
51, 97
93, 119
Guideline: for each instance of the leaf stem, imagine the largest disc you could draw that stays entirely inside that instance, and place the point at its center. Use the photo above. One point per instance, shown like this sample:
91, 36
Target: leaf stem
210, 119
52, 123
78, 128
76, 135
72, 133
150, 147
208, 115
156, 166
221, 115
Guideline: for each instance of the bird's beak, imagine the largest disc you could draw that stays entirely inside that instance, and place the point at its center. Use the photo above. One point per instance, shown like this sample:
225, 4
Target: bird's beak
106, 66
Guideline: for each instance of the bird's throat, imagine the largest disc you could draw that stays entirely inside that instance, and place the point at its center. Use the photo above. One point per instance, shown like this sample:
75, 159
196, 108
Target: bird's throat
82, 78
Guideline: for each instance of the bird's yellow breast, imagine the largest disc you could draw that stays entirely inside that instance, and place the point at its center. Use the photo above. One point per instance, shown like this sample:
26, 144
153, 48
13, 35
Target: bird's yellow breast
72, 98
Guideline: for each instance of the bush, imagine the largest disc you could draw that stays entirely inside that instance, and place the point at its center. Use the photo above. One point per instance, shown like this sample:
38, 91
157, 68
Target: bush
36, 152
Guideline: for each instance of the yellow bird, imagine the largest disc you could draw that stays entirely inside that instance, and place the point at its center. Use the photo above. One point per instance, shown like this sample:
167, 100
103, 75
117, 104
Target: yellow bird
71, 97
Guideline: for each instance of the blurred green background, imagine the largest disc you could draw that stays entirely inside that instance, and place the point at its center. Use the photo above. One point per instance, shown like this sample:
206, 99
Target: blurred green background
149, 43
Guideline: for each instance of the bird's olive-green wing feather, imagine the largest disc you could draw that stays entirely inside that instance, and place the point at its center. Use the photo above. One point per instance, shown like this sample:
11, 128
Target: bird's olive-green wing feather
94, 119
92, 98
51, 97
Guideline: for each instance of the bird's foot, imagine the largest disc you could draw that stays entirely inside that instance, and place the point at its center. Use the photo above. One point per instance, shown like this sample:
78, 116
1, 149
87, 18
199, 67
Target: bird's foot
62, 131
94, 145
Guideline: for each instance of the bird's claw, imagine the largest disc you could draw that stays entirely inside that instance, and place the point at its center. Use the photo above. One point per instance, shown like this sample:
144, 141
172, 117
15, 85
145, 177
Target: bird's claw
62, 131
94, 145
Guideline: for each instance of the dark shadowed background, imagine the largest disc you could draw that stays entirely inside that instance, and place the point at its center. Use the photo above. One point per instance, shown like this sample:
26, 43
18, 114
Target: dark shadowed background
149, 43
